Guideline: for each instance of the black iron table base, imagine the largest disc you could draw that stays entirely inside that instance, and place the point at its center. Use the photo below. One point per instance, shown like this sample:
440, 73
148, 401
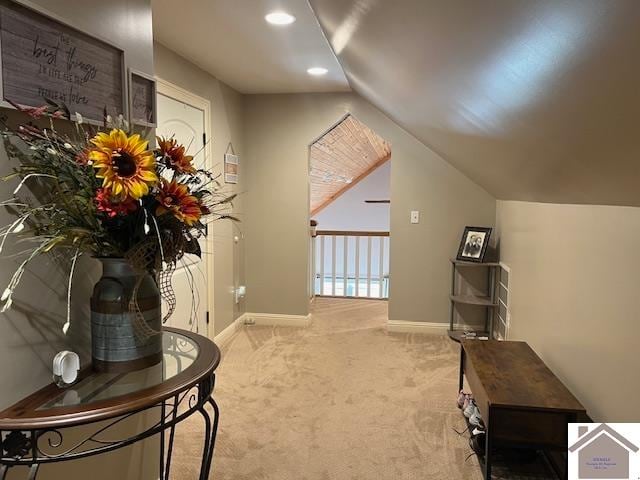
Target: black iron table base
38, 447
96, 414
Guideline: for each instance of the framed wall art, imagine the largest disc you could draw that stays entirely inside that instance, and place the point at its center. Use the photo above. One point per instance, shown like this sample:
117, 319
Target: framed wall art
44, 58
231, 162
142, 99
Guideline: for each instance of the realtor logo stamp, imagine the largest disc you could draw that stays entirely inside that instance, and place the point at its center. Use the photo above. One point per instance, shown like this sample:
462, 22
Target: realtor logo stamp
604, 451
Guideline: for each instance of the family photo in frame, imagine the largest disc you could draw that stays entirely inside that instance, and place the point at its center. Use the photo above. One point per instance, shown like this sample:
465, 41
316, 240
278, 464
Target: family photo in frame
473, 244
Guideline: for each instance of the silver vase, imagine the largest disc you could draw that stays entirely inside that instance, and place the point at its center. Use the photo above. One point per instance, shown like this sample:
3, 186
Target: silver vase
120, 341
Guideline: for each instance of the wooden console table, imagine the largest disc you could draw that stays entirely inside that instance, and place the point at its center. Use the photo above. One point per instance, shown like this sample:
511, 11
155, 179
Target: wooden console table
522, 403
37, 430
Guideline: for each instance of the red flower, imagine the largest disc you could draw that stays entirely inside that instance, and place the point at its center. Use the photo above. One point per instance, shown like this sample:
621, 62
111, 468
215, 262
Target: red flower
176, 199
33, 112
174, 155
106, 203
82, 157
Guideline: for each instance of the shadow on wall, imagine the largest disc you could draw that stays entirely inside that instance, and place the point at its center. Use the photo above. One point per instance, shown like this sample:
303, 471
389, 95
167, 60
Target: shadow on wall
31, 331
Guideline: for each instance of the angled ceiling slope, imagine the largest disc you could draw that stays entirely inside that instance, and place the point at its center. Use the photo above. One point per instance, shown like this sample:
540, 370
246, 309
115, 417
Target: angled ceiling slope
342, 157
533, 100
231, 40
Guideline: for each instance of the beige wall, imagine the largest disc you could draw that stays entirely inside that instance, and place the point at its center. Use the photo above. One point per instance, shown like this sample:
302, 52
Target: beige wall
575, 297
226, 126
279, 129
31, 333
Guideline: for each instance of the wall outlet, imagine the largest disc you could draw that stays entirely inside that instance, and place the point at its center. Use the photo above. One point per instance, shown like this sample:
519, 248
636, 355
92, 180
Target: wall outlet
249, 321
415, 216
239, 293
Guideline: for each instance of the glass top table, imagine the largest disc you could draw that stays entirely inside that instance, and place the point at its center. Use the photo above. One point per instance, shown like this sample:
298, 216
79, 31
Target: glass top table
188, 359
179, 353
35, 431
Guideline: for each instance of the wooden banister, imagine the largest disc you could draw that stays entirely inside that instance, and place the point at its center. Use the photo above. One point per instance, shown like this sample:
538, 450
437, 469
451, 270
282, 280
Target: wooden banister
342, 233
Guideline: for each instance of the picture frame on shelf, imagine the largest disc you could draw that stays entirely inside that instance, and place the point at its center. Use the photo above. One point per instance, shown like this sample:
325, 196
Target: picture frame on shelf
473, 244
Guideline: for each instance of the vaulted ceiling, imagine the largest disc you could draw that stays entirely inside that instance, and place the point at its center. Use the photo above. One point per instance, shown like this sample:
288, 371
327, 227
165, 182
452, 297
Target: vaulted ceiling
341, 158
534, 100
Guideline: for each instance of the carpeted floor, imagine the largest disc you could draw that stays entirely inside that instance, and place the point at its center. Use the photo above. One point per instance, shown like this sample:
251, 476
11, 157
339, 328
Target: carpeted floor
343, 399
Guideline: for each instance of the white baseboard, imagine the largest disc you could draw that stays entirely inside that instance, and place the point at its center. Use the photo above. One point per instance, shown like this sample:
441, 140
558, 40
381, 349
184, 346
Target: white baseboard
228, 332
275, 319
404, 326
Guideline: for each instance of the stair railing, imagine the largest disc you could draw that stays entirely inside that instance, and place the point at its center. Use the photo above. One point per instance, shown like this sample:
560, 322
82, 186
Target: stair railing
353, 264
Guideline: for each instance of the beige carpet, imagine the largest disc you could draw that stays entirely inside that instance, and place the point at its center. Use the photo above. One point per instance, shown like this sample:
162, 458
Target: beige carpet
343, 399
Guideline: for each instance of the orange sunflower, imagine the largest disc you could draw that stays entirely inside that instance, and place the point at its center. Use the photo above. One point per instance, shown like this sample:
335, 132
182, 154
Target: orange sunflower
126, 166
175, 198
174, 155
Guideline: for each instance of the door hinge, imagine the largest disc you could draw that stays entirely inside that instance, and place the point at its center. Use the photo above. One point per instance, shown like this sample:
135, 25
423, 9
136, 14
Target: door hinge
204, 139
206, 317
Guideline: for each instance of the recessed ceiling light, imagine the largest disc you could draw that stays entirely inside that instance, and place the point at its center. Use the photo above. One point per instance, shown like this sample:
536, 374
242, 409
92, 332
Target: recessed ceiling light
280, 18
317, 71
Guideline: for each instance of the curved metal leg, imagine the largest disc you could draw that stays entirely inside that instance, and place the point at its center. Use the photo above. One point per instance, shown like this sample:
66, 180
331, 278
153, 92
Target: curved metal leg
214, 433
33, 471
210, 432
162, 458
204, 472
172, 433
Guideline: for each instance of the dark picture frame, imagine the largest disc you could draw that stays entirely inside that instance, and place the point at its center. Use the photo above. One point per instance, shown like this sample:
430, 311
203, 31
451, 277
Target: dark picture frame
473, 244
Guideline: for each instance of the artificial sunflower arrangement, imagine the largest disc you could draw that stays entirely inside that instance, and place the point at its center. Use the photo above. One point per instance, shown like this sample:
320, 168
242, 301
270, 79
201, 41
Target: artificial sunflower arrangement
105, 192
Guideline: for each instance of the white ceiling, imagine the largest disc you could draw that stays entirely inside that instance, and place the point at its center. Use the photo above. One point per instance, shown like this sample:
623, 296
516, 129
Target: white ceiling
231, 40
535, 100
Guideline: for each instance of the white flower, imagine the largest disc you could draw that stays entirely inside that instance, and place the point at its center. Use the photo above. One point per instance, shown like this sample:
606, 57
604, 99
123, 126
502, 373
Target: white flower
6, 294
79, 118
33, 147
18, 228
7, 305
109, 119
68, 146
65, 328
51, 151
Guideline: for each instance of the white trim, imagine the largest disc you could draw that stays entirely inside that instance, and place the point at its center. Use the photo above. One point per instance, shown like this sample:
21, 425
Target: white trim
224, 336
507, 306
178, 93
278, 319
405, 326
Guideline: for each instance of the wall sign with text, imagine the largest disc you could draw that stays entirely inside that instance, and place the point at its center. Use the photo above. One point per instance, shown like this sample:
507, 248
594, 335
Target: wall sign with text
231, 162
42, 57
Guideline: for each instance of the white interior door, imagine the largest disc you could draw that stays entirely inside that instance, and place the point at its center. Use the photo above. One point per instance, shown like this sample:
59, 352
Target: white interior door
187, 124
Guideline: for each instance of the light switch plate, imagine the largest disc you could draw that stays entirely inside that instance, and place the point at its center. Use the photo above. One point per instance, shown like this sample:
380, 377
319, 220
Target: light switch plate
415, 216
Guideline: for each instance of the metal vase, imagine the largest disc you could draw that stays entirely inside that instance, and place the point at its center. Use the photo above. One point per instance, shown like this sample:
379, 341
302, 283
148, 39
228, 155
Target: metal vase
118, 343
